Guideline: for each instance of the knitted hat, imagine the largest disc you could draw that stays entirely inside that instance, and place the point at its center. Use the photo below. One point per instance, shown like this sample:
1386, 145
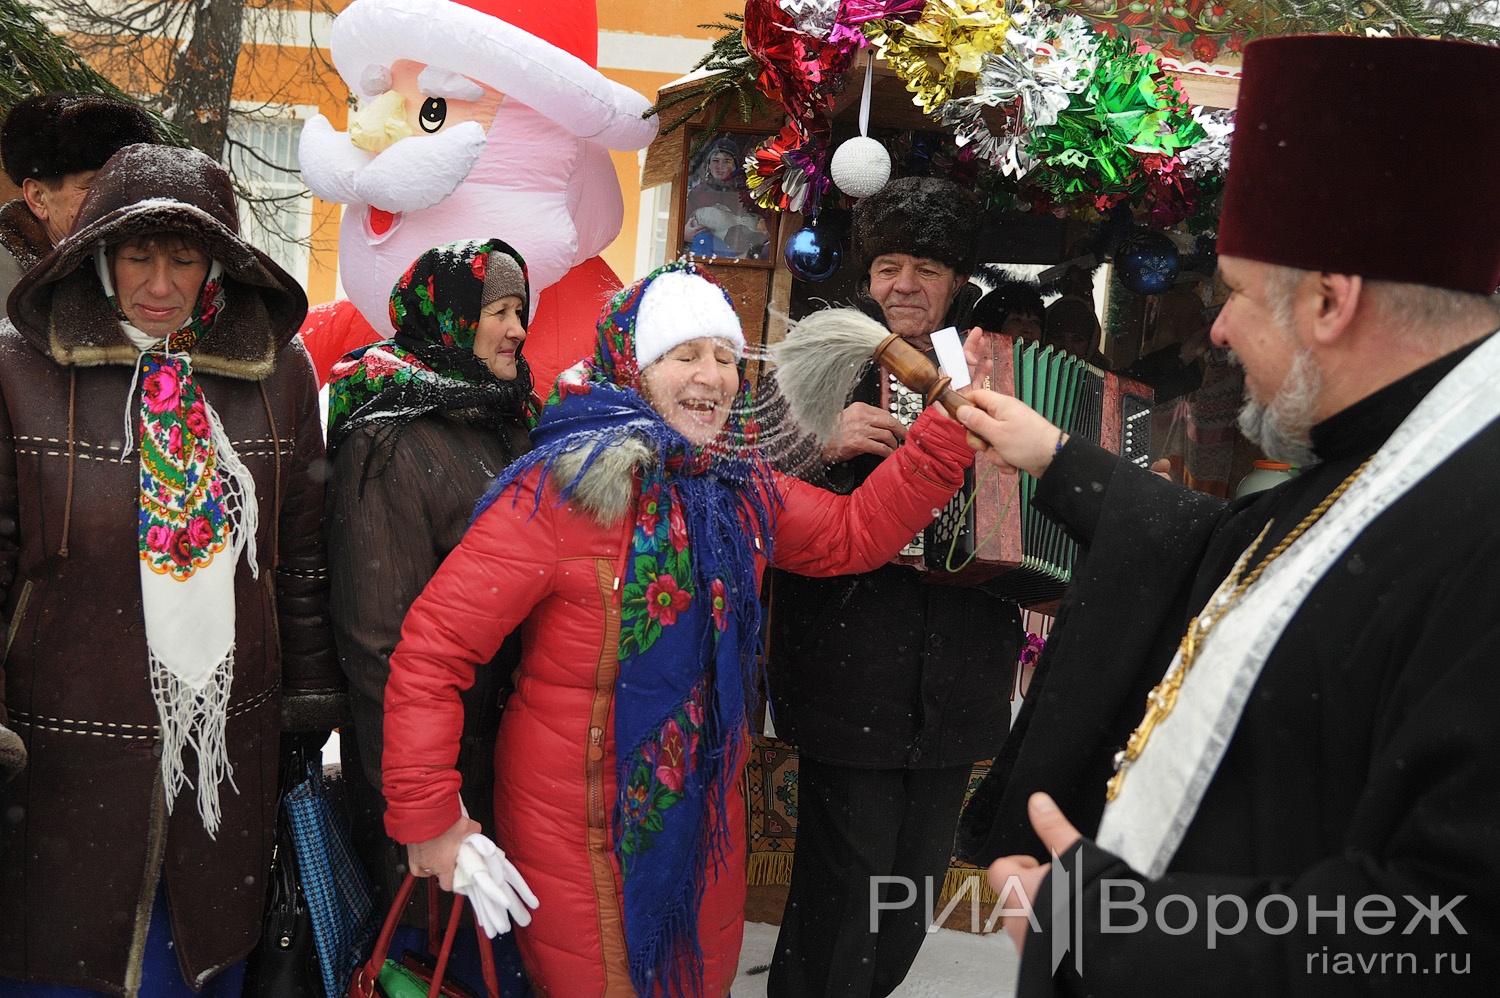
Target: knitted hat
681, 305
50, 135
502, 277
921, 217
1358, 156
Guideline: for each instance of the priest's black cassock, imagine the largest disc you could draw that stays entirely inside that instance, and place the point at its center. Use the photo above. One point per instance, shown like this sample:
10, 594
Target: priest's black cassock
1367, 759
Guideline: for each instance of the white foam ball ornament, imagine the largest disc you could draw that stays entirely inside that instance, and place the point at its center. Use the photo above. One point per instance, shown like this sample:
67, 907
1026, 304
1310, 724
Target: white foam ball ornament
860, 166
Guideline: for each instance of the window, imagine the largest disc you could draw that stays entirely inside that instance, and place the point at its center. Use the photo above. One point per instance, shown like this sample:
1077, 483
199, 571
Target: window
652, 237
277, 217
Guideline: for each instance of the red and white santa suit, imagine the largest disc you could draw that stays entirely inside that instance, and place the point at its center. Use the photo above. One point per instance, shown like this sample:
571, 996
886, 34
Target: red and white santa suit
479, 119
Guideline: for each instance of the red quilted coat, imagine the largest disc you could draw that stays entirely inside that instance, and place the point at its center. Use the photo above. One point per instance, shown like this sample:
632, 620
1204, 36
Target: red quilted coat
556, 573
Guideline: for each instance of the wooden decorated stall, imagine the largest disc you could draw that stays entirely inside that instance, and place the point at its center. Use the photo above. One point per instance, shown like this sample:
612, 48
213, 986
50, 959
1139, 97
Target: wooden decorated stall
1008, 104
1095, 132
784, 108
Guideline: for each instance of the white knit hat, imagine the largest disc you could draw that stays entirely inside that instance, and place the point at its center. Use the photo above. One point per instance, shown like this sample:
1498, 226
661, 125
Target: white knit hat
678, 306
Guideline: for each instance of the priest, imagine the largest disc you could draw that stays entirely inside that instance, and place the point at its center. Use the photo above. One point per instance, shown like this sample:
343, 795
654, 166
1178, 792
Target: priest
1261, 753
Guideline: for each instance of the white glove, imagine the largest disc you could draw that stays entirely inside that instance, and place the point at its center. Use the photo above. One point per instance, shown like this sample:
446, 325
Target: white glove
496, 888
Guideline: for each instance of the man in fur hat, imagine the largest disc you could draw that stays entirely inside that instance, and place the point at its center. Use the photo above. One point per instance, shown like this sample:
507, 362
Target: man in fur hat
53, 144
1260, 754
891, 689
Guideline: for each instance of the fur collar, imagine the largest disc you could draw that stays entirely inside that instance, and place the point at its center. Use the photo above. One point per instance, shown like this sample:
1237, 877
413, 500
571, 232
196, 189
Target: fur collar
22, 234
82, 330
609, 484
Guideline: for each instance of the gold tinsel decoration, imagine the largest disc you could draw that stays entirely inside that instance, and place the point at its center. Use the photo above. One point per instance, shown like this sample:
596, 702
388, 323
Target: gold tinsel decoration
934, 56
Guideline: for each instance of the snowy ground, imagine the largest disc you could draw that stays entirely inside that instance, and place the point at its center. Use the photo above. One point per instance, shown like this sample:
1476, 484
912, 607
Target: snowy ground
952, 964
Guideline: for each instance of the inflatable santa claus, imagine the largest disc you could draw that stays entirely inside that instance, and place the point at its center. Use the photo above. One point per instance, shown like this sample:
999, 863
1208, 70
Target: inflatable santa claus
478, 118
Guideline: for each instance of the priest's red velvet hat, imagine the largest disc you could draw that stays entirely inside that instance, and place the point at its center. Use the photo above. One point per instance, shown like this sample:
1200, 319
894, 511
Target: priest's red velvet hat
1370, 156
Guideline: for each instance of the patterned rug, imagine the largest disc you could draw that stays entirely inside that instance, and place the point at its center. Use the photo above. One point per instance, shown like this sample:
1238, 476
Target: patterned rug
771, 812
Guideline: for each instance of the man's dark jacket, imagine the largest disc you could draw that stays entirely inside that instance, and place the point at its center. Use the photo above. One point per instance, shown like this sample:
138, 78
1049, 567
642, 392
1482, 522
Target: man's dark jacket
884, 670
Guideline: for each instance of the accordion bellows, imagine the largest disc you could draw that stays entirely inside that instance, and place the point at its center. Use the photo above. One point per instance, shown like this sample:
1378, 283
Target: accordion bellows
989, 532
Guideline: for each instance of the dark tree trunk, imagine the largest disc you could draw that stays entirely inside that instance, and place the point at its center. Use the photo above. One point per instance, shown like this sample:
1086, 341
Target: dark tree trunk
203, 74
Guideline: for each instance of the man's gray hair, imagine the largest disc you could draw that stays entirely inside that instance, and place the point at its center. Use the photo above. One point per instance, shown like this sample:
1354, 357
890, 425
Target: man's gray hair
1418, 312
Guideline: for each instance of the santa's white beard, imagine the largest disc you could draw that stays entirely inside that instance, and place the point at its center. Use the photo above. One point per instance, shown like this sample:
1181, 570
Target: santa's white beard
519, 189
415, 173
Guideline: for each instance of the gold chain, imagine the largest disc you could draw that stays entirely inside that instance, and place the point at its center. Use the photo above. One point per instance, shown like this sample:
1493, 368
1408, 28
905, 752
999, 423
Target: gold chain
1161, 700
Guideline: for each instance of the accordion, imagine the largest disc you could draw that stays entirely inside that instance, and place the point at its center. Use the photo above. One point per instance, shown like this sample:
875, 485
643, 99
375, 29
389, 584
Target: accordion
989, 531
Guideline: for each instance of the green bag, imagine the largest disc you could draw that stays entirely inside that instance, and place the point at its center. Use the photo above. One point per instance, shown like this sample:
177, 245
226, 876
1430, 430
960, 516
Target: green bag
414, 977
403, 980
396, 981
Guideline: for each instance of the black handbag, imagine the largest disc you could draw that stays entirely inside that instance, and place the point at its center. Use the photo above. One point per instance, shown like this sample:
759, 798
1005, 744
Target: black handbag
285, 962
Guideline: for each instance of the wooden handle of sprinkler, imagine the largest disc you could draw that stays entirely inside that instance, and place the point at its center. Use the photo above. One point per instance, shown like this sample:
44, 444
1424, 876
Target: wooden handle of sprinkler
912, 368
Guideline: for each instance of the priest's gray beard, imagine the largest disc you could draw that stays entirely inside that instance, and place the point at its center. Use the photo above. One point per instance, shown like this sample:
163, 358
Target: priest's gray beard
1281, 427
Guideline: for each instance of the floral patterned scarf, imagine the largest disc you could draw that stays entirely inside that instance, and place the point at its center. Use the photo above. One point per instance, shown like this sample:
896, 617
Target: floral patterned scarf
429, 366
689, 633
197, 512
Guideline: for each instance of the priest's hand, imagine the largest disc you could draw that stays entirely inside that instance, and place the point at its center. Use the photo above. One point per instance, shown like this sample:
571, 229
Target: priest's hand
864, 429
437, 857
1011, 874
1009, 432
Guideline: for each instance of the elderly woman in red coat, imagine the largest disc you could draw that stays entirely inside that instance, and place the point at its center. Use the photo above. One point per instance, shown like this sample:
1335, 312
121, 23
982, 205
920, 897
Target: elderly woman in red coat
628, 547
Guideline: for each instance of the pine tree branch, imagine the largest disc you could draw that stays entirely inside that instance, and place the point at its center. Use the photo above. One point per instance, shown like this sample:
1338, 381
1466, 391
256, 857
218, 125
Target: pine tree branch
733, 86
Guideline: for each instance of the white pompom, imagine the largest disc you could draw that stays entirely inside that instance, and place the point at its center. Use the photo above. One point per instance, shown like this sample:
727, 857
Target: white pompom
860, 167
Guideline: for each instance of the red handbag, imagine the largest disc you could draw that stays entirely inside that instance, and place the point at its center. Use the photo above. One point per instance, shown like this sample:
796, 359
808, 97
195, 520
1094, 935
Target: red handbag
380, 977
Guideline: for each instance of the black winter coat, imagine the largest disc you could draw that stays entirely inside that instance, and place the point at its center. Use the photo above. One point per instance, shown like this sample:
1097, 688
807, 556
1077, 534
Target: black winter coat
882, 670
384, 546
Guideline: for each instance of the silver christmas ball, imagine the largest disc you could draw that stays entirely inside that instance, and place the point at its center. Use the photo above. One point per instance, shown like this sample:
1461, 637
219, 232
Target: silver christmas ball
860, 167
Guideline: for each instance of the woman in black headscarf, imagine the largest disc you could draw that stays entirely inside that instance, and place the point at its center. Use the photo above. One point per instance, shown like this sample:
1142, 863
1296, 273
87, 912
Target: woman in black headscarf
418, 426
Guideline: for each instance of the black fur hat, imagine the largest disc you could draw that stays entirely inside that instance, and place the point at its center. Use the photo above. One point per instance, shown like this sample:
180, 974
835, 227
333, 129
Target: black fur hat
50, 135
919, 216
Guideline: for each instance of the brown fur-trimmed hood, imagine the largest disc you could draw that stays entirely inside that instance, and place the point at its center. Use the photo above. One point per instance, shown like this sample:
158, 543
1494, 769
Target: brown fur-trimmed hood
60, 306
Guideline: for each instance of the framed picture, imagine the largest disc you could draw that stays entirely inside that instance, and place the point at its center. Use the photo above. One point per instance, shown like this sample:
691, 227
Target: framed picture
720, 221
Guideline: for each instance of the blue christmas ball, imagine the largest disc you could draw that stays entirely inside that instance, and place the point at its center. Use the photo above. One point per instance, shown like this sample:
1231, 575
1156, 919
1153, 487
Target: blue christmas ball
813, 254
1147, 263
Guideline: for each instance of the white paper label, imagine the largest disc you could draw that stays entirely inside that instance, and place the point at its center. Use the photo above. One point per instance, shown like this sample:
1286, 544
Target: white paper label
950, 354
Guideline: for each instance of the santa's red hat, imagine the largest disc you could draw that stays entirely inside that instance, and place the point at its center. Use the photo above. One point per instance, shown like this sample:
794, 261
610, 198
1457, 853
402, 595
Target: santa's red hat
541, 53
572, 25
